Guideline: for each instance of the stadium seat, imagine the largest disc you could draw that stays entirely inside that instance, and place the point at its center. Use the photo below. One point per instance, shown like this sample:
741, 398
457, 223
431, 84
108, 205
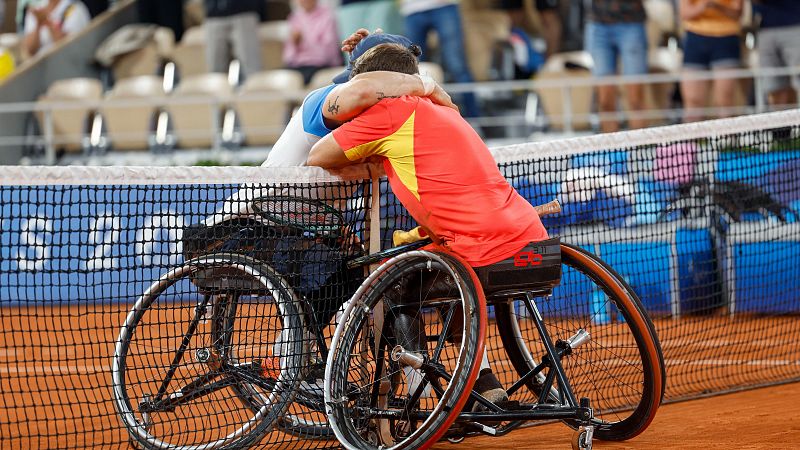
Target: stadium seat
130, 126
148, 59
324, 77
566, 66
190, 54
661, 21
77, 100
197, 123
263, 120
272, 35
432, 70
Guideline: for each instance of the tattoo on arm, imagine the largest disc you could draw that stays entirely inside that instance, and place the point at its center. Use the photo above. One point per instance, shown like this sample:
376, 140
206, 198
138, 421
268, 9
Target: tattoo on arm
382, 95
333, 108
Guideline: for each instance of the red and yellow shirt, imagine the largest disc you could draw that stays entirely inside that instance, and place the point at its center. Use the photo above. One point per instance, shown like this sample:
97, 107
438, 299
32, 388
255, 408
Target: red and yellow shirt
444, 174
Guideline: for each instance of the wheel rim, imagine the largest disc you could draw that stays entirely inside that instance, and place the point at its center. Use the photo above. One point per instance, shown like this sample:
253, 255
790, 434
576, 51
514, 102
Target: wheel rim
146, 348
352, 352
615, 369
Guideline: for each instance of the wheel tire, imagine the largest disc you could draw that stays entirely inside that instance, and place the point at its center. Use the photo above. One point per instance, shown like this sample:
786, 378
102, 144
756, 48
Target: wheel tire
242, 328
354, 342
625, 376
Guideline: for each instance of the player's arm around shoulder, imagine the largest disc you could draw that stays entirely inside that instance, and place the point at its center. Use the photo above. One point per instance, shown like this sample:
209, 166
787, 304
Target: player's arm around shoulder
348, 100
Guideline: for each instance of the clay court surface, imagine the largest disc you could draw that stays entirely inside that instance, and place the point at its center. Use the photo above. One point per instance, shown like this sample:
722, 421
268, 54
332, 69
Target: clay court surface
757, 419
55, 384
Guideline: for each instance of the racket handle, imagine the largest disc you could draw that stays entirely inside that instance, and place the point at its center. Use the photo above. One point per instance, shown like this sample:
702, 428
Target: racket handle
551, 207
401, 237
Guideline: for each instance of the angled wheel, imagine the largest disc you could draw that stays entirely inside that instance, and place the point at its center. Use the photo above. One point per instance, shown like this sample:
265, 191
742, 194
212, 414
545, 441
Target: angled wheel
196, 363
405, 353
620, 367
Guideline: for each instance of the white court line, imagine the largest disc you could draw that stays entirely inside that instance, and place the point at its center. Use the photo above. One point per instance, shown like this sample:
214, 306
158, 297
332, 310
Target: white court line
731, 362
92, 369
54, 370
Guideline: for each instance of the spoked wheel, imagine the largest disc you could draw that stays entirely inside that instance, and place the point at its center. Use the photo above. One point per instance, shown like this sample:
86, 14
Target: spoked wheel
209, 356
617, 361
406, 353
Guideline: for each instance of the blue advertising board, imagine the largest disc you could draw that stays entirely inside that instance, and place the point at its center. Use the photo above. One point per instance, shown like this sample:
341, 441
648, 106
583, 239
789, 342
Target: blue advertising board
94, 243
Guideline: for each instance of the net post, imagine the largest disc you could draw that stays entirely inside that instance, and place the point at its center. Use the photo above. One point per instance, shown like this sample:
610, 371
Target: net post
375, 210
674, 276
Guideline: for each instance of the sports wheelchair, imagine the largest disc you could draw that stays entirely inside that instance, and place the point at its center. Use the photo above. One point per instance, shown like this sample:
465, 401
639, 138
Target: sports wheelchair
215, 353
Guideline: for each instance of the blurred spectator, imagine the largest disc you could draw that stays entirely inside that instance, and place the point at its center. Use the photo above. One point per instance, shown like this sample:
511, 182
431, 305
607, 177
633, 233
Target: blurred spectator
779, 46
163, 13
51, 22
712, 42
442, 16
616, 31
313, 39
369, 14
22, 9
548, 14
232, 32
96, 7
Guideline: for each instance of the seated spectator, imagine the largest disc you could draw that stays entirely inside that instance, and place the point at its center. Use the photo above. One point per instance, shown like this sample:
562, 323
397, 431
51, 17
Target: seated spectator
22, 10
616, 30
232, 32
52, 22
313, 39
712, 42
778, 39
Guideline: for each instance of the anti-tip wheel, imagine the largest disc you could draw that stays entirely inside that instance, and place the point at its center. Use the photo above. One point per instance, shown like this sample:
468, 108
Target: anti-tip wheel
582, 438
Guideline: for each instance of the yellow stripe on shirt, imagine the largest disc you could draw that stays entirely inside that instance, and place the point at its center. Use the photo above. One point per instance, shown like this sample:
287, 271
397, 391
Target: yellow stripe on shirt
401, 144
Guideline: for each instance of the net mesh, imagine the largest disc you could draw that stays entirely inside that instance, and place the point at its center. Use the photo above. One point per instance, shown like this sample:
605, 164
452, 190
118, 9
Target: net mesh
179, 304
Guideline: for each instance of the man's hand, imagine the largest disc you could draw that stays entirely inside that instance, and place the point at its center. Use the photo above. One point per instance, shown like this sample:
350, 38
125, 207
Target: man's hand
350, 43
440, 97
41, 15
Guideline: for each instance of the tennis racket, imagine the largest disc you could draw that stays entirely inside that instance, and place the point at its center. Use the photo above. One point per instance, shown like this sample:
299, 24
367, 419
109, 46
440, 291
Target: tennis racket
307, 215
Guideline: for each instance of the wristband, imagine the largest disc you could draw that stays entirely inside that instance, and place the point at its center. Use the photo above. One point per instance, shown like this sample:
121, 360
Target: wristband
428, 84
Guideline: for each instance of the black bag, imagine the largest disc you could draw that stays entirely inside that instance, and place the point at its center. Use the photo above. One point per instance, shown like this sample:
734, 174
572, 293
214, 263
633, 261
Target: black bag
537, 267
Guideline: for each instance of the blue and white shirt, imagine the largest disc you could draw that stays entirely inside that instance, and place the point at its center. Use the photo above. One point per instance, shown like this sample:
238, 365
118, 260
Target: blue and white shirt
304, 130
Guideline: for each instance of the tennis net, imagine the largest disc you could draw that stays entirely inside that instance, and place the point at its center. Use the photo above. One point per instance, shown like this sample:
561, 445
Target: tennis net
702, 220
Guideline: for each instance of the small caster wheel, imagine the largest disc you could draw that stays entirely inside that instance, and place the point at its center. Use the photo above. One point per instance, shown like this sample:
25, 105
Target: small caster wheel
582, 438
455, 440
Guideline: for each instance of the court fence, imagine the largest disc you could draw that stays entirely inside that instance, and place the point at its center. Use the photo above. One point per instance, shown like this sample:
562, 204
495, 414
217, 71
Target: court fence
702, 220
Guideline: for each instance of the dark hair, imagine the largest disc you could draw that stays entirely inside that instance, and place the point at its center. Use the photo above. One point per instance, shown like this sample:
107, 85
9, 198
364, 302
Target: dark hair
390, 57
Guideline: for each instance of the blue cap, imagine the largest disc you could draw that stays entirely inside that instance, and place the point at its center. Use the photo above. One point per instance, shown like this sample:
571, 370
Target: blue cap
367, 43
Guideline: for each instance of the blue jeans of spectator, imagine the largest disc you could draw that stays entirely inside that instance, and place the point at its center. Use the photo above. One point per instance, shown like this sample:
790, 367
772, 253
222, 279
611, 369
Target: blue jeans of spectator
446, 21
608, 42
